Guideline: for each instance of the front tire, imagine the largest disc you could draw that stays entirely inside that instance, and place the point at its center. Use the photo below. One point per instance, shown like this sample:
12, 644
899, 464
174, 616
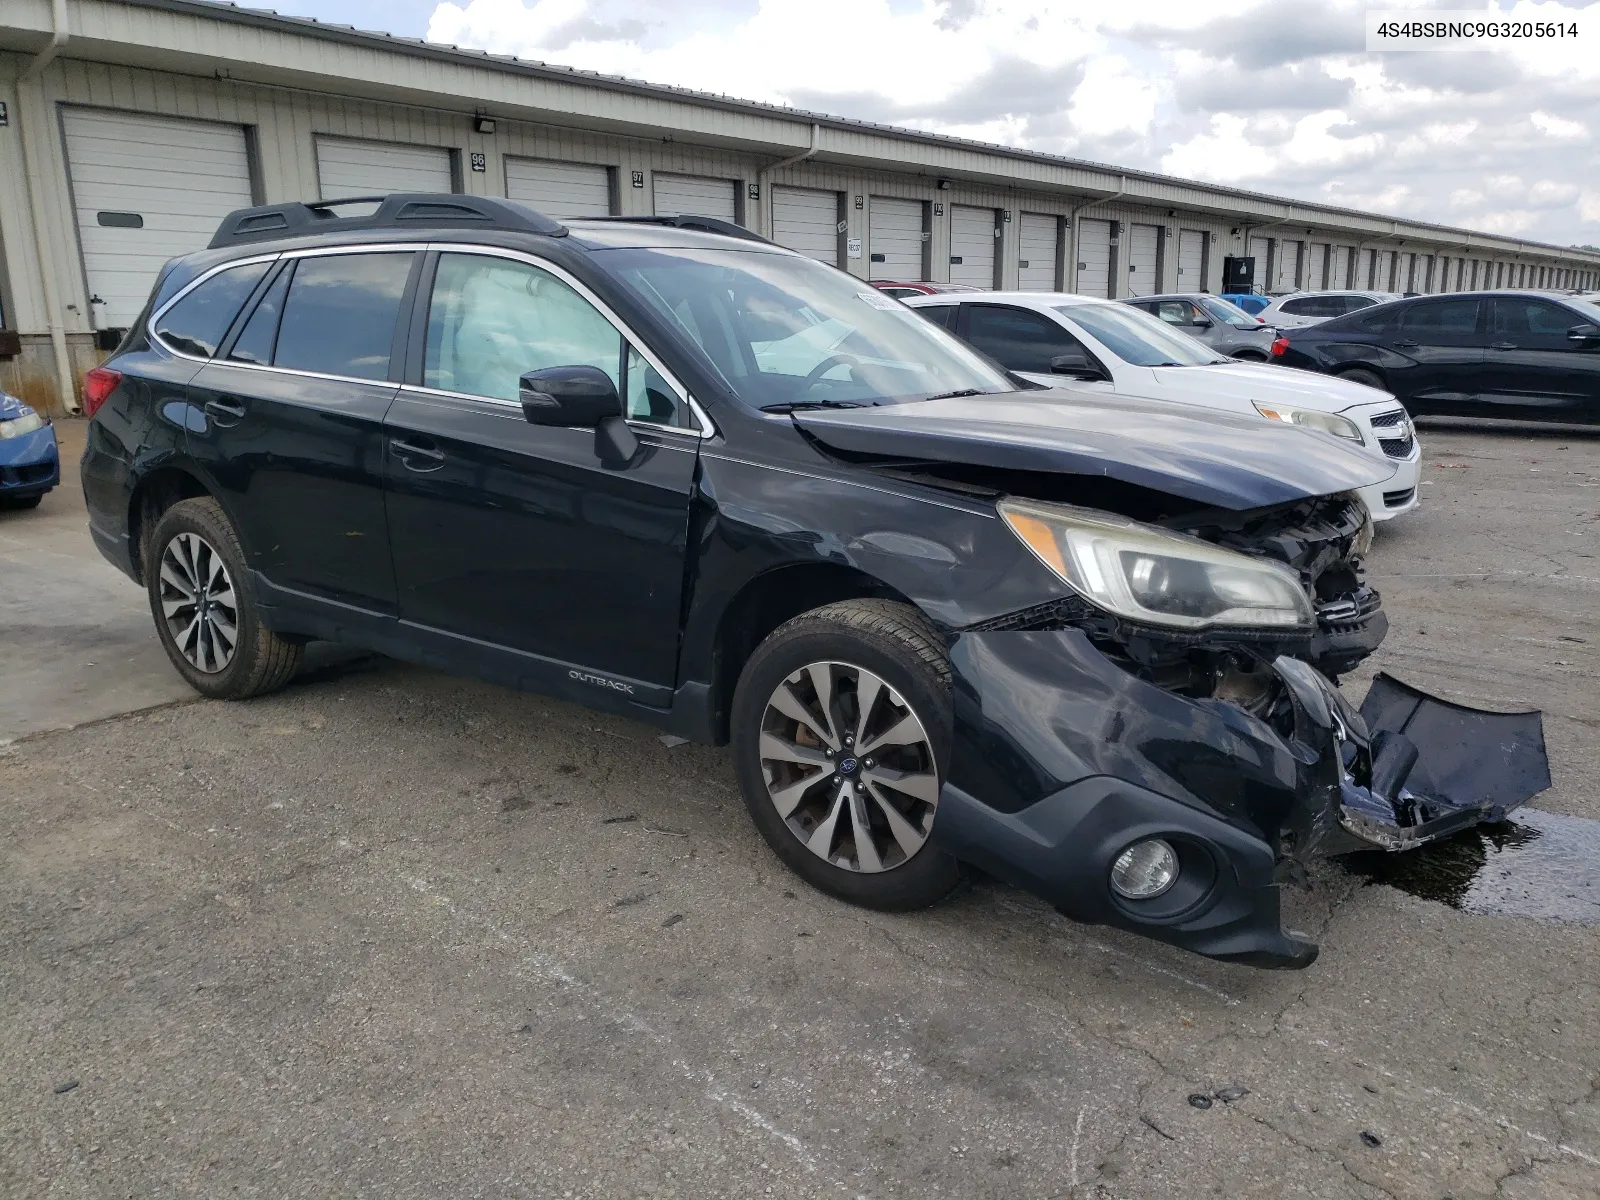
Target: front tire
205, 610
1364, 377
841, 730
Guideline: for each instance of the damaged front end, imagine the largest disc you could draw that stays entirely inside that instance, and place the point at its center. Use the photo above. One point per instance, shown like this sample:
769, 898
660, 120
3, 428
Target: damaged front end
1082, 734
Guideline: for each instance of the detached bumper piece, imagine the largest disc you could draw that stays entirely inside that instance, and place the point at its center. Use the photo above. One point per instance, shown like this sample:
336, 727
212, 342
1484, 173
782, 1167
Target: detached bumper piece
1062, 761
1434, 767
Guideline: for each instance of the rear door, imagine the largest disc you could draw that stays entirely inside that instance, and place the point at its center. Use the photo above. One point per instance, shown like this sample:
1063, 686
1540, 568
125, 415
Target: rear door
515, 541
1442, 342
1532, 369
293, 422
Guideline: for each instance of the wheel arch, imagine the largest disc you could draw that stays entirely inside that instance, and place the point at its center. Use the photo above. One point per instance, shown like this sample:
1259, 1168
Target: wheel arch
768, 600
151, 497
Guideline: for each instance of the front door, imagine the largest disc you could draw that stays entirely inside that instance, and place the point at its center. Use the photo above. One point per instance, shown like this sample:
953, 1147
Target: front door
1442, 344
289, 422
518, 539
1533, 369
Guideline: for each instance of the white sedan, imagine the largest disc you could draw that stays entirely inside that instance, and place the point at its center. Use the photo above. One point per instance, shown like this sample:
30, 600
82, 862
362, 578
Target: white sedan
1103, 348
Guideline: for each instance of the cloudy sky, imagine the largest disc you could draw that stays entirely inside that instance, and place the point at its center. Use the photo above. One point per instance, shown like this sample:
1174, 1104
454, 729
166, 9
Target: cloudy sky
1274, 95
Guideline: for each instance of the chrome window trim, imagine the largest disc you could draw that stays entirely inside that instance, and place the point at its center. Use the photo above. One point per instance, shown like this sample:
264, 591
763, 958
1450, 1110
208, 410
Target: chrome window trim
308, 252
706, 427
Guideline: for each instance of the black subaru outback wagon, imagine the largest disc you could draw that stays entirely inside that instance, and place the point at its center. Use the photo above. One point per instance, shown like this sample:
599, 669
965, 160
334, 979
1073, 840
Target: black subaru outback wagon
668, 469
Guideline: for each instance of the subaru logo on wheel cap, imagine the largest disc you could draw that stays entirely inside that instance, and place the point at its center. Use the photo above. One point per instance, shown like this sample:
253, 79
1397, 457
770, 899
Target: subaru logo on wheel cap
846, 765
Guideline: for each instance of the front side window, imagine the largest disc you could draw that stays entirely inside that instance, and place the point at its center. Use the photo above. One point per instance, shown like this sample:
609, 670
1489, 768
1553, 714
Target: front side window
1531, 322
492, 320
340, 313
1228, 313
780, 329
1174, 312
1016, 338
1303, 307
1139, 338
197, 323
940, 314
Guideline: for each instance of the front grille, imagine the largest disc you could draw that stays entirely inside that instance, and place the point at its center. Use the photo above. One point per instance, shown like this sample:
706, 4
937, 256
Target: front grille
1389, 419
1396, 499
1398, 447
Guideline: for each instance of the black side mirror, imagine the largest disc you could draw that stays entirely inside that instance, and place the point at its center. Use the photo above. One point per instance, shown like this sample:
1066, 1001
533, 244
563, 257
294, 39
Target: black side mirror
580, 397
1585, 335
573, 397
1076, 362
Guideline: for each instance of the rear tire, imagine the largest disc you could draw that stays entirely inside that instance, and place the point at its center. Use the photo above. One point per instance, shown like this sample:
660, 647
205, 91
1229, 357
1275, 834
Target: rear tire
848, 800
205, 609
1364, 377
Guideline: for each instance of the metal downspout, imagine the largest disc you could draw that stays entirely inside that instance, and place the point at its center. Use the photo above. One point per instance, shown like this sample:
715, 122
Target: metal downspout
764, 176
52, 301
1072, 231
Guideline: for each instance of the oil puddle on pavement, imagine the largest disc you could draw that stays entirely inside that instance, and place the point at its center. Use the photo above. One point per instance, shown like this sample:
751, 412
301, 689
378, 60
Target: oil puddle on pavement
1538, 864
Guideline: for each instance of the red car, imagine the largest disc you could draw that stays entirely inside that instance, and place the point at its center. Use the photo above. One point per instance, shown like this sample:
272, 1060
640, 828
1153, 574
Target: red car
901, 290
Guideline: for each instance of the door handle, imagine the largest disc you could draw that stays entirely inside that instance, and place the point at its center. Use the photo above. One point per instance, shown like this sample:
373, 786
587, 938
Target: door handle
1502, 346
224, 413
415, 457
1406, 344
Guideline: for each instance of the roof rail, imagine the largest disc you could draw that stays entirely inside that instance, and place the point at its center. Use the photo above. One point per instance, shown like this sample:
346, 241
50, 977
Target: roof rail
690, 221
400, 211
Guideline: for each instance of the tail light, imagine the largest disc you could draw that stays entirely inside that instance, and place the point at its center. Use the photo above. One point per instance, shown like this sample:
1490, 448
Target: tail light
98, 385
1279, 345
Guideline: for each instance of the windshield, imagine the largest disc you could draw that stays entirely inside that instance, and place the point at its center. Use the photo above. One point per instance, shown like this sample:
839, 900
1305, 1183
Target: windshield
1138, 338
784, 330
1230, 314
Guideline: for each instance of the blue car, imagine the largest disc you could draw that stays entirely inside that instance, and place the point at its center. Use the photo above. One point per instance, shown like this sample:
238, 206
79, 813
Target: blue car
1248, 301
29, 463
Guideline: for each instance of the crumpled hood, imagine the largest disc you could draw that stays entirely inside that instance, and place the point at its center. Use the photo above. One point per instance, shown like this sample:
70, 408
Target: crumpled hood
1263, 381
1213, 458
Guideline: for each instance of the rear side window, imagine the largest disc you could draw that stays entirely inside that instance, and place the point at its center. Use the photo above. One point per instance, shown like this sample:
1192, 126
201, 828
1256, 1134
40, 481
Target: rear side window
260, 333
196, 324
340, 314
1440, 318
1017, 339
939, 314
1356, 303
1299, 308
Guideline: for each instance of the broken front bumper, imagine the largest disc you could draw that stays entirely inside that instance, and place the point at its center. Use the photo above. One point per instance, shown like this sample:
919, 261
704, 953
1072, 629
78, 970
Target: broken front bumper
1061, 760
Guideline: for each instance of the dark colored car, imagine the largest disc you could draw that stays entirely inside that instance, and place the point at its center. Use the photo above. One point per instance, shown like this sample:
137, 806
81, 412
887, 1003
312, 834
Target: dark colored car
30, 464
713, 485
1517, 355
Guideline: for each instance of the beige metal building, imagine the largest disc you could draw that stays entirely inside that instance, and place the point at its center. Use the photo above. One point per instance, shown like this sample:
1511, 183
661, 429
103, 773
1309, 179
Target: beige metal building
130, 127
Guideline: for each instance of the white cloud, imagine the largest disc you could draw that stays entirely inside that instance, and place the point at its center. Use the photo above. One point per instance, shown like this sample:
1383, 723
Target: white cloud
1270, 94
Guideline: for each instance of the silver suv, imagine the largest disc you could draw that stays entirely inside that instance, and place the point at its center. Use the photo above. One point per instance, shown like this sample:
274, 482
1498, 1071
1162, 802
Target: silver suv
1300, 309
1225, 327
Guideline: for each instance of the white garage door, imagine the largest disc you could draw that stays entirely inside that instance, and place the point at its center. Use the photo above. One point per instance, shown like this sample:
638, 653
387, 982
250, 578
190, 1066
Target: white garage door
1339, 268
894, 239
972, 243
346, 167
694, 195
1316, 272
807, 220
1191, 260
146, 189
1036, 258
1286, 267
559, 189
1144, 248
1094, 257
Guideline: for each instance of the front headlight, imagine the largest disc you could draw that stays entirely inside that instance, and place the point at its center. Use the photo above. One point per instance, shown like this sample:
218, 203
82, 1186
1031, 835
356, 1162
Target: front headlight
18, 426
1312, 419
1161, 578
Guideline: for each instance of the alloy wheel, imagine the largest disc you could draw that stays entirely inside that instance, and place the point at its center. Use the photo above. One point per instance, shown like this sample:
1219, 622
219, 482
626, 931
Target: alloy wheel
198, 603
849, 766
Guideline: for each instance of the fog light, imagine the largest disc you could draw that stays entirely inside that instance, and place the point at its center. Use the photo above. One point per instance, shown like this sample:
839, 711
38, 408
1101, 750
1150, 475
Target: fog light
1145, 869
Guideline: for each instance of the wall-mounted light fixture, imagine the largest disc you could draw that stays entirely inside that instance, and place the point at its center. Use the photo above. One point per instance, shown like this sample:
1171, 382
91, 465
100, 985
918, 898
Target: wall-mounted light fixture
944, 185
483, 124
